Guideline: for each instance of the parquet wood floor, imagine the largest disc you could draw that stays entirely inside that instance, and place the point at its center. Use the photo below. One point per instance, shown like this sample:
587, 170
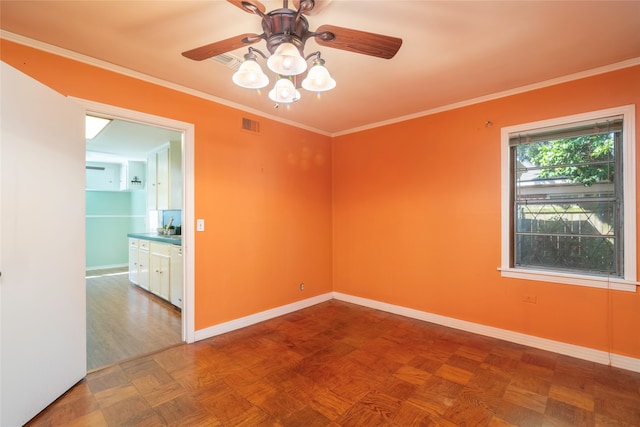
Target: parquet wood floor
338, 364
124, 321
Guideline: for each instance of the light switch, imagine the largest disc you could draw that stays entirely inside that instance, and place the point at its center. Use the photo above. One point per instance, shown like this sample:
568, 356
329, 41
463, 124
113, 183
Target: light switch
200, 225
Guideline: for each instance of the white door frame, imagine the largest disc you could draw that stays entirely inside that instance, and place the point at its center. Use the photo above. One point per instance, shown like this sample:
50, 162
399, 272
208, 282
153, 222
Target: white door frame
188, 205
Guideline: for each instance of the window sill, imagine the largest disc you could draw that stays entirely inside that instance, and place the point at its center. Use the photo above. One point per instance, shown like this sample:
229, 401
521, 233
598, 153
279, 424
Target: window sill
570, 279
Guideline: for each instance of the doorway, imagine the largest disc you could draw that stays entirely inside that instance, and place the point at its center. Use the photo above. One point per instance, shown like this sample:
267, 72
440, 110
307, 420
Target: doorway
136, 321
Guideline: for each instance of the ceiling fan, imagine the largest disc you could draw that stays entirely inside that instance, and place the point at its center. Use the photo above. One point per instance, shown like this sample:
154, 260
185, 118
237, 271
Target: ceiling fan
285, 32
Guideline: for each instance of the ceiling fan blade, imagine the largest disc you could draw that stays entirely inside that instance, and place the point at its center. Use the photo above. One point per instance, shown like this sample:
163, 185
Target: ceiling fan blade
251, 4
223, 46
317, 8
358, 41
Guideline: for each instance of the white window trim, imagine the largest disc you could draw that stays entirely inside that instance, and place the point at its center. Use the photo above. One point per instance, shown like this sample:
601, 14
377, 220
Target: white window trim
629, 282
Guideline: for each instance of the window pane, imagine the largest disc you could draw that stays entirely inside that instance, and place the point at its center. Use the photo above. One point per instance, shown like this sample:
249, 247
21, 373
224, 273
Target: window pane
575, 236
566, 205
581, 219
588, 254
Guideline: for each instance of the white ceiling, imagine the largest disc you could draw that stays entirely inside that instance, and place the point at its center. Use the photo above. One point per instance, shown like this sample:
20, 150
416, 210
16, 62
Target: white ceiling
452, 52
123, 140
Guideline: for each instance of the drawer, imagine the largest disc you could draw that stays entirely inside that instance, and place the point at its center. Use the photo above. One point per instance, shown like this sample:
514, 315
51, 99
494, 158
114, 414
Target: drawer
133, 243
160, 249
144, 245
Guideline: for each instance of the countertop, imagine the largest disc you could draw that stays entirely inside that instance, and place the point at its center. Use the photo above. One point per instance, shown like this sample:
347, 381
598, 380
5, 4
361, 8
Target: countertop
173, 239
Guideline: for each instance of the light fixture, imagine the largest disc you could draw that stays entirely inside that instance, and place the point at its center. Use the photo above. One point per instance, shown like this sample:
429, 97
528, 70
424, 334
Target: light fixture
285, 32
250, 74
286, 60
284, 92
94, 125
318, 78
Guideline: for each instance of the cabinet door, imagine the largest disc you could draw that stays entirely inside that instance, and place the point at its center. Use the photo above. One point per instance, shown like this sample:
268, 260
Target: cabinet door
175, 175
159, 275
162, 179
164, 277
175, 293
143, 268
159, 269
133, 264
154, 273
151, 182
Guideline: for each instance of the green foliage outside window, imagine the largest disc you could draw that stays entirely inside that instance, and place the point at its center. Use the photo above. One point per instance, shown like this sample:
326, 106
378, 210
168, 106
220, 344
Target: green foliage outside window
585, 160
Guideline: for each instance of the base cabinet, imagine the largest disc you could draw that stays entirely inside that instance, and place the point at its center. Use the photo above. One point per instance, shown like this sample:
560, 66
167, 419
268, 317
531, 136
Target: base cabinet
160, 272
139, 262
157, 267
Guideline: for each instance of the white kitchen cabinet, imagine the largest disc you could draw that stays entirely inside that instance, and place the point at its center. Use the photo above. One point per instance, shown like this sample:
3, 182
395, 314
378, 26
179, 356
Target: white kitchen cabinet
157, 267
176, 276
134, 178
152, 179
164, 178
133, 261
102, 176
143, 264
139, 262
160, 269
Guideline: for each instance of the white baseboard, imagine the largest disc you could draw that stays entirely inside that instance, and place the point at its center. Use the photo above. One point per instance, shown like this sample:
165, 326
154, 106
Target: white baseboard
252, 319
105, 267
585, 353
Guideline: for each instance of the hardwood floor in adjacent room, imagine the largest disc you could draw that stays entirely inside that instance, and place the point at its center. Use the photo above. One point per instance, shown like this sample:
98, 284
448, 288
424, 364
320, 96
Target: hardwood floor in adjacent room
124, 321
338, 364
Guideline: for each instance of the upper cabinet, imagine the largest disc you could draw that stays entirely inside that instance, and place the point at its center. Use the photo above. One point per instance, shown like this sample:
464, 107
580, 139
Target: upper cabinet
128, 175
103, 176
164, 178
134, 179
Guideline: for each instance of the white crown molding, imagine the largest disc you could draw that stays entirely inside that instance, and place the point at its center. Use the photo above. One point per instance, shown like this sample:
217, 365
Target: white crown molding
564, 79
45, 47
144, 77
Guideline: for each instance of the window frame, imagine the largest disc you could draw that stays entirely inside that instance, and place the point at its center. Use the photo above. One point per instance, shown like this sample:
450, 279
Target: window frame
629, 281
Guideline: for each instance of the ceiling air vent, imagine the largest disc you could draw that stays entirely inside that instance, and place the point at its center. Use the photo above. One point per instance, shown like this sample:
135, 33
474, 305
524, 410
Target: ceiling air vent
228, 60
250, 125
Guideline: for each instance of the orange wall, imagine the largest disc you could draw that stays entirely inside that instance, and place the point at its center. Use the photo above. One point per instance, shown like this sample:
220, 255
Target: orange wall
266, 199
416, 220
407, 214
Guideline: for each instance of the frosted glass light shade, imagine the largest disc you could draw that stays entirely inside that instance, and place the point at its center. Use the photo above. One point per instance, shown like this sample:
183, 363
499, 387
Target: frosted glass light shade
250, 75
287, 61
284, 92
318, 79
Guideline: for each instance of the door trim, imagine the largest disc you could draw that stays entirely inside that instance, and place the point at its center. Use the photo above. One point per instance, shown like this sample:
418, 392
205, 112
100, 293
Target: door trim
188, 205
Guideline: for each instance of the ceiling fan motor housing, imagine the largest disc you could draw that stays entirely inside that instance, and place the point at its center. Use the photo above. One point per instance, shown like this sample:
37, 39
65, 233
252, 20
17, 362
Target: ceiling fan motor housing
285, 25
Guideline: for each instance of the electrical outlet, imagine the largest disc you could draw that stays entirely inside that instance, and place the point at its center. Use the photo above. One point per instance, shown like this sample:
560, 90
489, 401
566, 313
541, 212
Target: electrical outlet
531, 299
302, 286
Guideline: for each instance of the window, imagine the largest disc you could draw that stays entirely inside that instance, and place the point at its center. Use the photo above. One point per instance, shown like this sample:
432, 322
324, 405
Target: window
568, 200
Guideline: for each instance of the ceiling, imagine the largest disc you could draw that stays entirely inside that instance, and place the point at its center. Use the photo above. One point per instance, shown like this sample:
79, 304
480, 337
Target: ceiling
123, 140
452, 51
